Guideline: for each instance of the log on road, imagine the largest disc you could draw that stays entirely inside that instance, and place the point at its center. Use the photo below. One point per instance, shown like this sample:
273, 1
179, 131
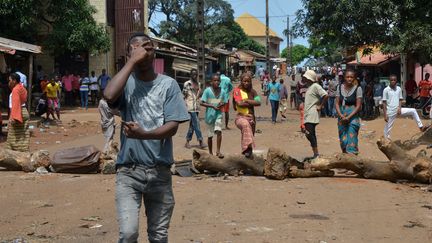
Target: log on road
279, 165
23, 161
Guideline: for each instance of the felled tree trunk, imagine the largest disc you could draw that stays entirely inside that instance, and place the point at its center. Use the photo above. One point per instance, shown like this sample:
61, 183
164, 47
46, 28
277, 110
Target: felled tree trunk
277, 166
422, 138
22, 161
401, 166
231, 164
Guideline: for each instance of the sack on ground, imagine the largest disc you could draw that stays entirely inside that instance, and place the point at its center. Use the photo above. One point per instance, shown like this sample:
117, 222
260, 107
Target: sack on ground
77, 160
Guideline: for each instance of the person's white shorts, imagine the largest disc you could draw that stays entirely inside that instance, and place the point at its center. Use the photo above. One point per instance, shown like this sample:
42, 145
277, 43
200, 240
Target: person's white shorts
212, 128
378, 101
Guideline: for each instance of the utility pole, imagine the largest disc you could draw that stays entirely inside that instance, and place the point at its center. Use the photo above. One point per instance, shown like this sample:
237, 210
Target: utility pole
200, 44
267, 39
288, 33
146, 15
290, 47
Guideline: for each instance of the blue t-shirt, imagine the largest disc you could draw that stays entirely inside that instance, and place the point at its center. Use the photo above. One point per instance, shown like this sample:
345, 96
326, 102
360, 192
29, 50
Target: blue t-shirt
274, 89
151, 104
85, 82
378, 90
209, 97
226, 84
104, 80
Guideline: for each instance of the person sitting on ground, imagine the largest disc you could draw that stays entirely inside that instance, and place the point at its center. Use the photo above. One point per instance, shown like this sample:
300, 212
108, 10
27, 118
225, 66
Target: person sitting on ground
392, 106
18, 137
245, 98
348, 105
213, 99
315, 99
52, 90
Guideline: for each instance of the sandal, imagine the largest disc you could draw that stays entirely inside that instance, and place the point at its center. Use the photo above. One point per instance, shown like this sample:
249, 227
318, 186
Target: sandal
220, 155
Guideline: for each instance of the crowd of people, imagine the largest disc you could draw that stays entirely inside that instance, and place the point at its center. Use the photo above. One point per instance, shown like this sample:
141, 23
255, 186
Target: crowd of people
152, 106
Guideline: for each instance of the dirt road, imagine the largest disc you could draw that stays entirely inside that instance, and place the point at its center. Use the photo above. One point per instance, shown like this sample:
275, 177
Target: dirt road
55, 207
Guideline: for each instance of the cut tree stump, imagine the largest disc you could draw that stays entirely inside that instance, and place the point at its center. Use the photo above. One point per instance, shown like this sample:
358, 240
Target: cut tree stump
23, 161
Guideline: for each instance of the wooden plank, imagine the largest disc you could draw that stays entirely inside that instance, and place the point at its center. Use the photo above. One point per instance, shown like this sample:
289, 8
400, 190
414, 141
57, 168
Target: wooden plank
20, 46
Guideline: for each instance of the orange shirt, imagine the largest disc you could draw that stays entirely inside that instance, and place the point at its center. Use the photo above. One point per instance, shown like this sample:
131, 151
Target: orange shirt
43, 84
425, 87
18, 98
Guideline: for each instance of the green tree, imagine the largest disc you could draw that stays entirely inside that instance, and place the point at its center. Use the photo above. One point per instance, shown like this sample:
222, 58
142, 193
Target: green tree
220, 28
298, 54
59, 26
396, 25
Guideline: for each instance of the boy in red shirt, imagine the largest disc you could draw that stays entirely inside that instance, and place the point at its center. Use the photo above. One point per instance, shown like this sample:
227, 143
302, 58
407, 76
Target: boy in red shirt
425, 87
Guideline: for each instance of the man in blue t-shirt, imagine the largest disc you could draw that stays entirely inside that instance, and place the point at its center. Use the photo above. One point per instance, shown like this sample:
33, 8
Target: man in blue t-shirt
103, 80
274, 89
151, 107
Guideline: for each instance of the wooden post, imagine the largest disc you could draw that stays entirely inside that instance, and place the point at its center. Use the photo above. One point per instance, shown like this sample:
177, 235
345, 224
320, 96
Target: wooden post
403, 73
30, 83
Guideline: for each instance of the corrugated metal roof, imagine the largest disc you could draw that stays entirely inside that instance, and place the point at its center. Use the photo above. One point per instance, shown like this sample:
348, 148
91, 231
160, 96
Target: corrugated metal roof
253, 27
8, 45
375, 59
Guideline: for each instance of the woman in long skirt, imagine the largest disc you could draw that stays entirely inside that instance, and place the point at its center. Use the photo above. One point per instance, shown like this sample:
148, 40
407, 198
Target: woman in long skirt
245, 98
18, 138
348, 104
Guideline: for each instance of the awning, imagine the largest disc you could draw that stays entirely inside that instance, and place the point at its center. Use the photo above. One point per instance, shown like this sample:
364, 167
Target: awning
10, 46
183, 65
375, 59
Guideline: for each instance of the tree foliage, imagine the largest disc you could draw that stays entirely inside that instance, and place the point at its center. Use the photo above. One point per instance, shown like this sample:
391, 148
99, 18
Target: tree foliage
397, 25
220, 28
298, 54
60, 26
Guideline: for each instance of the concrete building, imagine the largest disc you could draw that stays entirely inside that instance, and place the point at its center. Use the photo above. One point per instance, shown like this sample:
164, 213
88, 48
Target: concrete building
256, 30
86, 61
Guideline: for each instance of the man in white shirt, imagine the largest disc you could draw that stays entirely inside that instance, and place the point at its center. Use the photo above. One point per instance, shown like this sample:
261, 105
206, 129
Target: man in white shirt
392, 101
23, 78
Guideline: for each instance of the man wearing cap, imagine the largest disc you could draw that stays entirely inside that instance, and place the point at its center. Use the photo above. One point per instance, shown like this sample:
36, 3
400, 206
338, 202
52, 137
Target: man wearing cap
315, 99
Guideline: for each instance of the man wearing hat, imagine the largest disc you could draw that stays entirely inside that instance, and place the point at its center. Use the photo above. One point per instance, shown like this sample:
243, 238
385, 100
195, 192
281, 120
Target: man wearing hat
315, 99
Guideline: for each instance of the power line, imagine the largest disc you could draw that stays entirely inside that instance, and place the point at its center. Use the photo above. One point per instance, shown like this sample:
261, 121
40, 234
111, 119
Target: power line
263, 17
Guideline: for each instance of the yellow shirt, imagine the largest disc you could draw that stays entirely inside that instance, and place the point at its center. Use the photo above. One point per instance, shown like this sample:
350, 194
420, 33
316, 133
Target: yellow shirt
51, 90
240, 95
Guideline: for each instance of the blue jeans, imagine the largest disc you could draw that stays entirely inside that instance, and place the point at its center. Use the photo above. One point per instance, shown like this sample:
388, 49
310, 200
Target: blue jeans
154, 187
331, 110
274, 108
84, 99
194, 126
